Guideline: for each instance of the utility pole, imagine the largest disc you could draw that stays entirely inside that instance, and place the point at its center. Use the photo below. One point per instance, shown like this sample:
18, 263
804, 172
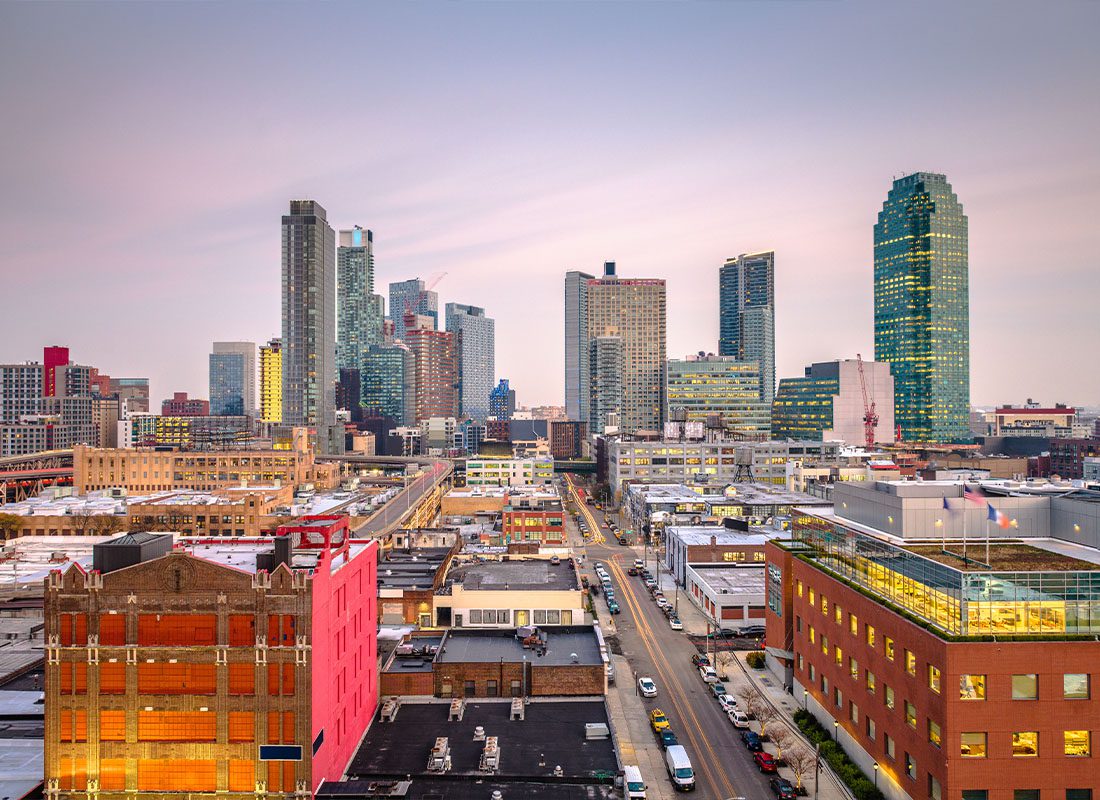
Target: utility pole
817, 767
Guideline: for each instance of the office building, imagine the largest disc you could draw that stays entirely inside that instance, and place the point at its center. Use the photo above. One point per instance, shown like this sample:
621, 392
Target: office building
214, 432
211, 669
411, 296
1032, 419
922, 307
502, 401
349, 392
509, 471
309, 318
46, 407
705, 385
436, 368
567, 439
271, 381
576, 345
746, 314
1067, 456
180, 405
475, 342
358, 309
228, 378
132, 392
959, 672
827, 403
389, 383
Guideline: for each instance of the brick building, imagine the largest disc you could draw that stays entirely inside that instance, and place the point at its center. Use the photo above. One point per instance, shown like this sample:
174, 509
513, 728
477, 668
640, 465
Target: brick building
567, 438
189, 668
1067, 456
960, 679
180, 405
533, 516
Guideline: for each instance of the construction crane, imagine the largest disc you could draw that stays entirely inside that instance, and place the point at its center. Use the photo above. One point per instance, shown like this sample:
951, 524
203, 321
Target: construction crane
870, 416
410, 306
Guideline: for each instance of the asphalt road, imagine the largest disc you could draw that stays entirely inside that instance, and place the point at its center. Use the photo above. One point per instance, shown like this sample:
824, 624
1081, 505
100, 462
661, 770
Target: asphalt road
392, 511
724, 768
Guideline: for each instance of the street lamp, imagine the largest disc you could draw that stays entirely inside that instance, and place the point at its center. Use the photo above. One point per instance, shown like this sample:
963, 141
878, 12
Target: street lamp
875, 768
836, 731
805, 699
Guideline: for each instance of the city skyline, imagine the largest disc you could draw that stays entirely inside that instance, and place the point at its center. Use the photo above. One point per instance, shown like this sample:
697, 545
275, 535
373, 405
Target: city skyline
809, 190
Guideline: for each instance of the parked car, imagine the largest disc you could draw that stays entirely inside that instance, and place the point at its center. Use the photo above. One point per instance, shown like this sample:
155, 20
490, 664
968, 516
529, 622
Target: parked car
632, 571
708, 674
666, 738
675, 624
662, 602
751, 740
658, 720
613, 608
765, 762
609, 668
651, 582
727, 702
647, 687
699, 660
723, 633
783, 788
639, 564
739, 718
752, 631
718, 689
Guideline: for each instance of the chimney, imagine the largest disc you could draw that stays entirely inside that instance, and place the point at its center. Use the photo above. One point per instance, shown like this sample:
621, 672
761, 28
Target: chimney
609, 269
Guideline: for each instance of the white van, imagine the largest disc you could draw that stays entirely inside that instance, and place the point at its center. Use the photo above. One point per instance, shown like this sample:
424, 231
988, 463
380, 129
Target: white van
679, 768
633, 785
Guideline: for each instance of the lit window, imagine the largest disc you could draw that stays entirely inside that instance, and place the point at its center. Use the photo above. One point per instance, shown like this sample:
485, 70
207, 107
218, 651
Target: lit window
870, 635
934, 679
1025, 744
910, 663
973, 745
1077, 743
1025, 687
888, 697
935, 735
910, 714
888, 644
853, 624
971, 687
910, 766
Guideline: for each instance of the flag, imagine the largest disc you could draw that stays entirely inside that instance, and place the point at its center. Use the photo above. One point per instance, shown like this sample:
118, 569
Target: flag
973, 497
998, 516
946, 506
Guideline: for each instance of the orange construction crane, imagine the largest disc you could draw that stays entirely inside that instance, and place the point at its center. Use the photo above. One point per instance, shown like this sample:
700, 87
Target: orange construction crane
870, 416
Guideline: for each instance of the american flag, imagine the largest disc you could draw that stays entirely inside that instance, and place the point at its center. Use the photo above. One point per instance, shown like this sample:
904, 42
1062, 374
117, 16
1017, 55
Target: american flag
973, 497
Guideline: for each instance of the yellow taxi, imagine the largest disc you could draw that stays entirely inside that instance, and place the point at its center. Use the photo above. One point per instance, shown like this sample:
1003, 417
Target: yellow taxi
657, 720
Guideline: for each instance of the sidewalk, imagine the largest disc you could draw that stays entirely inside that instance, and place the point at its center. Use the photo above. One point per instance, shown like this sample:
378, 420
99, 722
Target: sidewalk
635, 741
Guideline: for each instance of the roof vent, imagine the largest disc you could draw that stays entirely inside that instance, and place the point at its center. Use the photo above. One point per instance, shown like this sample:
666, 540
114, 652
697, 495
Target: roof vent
574, 658
497, 795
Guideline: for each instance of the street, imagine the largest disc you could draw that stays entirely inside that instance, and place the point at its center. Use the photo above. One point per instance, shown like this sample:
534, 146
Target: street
724, 768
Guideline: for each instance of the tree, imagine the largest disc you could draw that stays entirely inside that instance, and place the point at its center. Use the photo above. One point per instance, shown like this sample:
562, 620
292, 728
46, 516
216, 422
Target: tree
782, 739
10, 524
749, 700
765, 714
801, 761
82, 521
107, 524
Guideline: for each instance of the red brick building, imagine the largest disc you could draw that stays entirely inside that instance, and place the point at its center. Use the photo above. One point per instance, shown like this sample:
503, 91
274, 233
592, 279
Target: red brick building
1067, 456
180, 405
533, 516
567, 438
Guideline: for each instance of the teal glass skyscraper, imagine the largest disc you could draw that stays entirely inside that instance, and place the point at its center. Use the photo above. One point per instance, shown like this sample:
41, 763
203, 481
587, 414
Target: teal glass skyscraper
922, 307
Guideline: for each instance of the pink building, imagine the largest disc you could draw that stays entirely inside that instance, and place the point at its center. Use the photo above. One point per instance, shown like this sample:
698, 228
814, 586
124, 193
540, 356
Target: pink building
183, 406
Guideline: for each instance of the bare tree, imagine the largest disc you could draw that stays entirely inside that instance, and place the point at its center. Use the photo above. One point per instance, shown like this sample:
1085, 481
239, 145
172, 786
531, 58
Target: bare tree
765, 715
82, 521
106, 524
782, 739
10, 524
801, 761
746, 698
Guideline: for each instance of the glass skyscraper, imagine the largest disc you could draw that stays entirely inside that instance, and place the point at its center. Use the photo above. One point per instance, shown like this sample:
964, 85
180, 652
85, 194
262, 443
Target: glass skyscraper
577, 398
475, 341
358, 317
703, 385
227, 384
922, 307
746, 314
389, 383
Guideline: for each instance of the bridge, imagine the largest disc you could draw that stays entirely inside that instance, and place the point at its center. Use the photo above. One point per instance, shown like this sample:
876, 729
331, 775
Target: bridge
25, 476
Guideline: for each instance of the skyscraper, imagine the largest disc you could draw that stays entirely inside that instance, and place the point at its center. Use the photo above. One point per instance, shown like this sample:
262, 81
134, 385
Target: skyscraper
309, 317
436, 368
502, 400
922, 307
576, 345
271, 381
389, 383
475, 342
633, 310
827, 403
411, 295
746, 314
233, 378
703, 385
358, 309
605, 380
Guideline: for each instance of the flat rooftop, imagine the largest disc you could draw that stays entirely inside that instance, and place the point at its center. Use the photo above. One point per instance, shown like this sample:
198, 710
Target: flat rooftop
731, 494
513, 575
416, 570
1008, 556
734, 581
551, 734
480, 788
491, 645
702, 535
414, 654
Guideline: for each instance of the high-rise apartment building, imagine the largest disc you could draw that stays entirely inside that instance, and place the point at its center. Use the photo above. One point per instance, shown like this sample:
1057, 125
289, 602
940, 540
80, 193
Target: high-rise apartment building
309, 318
358, 317
827, 403
576, 345
411, 295
211, 669
271, 381
234, 379
389, 383
704, 385
605, 381
436, 369
32, 420
475, 342
133, 393
502, 401
746, 314
922, 307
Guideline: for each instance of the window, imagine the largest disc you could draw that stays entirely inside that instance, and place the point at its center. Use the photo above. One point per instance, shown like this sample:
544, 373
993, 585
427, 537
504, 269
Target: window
853, 669
800, 588
870, 681
801, 663
1025, 687
910, 767
838, 697
888, 696
973, 745
1078, 794
853, 625
888, 745
975, 794
517, 689
242, 679
1025, 744
242, 726
470, 688
176, 726
813, 673
838, 615
491, 689
853, 712
934, 679
112, 677
870, 729
798, 623
812, 597
1075, 686
935, 791
112, 726
888, 643
870, 635
824, 606
813, 635
910, 714
838, 655
824, 645
935, 735
1077, 743
971, 687
1025, 794
910, 663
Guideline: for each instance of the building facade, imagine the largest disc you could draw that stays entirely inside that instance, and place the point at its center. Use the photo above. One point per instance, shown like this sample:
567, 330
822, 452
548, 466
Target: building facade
509, 471
502, 401
309, 317
271, 381
922, 307
576, 345
605, 382
436, 368
215, 432
475, 343
411, 296
389, 383
180, 405
358, 308
231, 374
567, 439
746, 314
704, 385
46, 408
827, 403
1067, 456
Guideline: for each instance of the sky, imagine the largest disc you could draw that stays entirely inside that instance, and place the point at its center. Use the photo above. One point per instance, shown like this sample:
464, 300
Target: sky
148, 151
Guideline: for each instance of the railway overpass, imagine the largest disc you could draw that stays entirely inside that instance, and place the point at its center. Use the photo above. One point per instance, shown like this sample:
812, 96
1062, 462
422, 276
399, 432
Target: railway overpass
25, 476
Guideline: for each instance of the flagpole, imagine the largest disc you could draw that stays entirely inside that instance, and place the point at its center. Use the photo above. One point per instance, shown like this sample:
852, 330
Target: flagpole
987, 535
966, 516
